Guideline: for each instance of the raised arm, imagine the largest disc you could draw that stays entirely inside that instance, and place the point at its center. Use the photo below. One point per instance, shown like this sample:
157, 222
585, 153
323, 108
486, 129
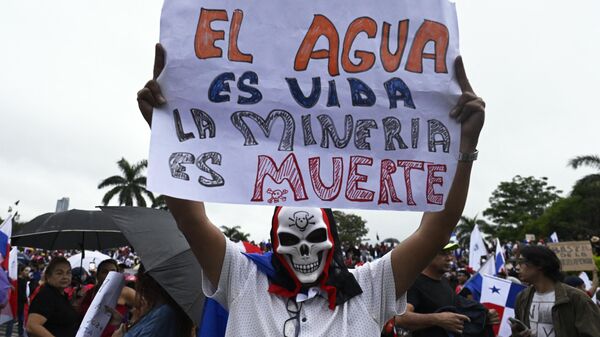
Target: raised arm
205, 239
415, 253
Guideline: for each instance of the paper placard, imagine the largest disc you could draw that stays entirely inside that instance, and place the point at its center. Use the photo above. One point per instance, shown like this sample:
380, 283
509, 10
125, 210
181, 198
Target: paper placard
96, 318
574, 255
285, 102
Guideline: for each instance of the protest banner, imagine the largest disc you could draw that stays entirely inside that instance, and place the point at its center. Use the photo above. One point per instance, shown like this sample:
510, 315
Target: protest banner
574, 255
281, 102
96, 318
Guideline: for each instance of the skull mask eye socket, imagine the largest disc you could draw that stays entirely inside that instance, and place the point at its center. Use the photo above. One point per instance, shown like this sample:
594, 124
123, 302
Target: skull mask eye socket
317, 236
287, 239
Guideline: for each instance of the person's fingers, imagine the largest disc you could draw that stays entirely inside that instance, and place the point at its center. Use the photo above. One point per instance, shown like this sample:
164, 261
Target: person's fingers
464, 318
159, 60
469, 109
462, 100
461, 75
156, 91
146, 95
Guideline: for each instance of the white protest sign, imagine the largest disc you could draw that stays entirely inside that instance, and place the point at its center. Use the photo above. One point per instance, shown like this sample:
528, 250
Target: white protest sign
96, 318
309, 103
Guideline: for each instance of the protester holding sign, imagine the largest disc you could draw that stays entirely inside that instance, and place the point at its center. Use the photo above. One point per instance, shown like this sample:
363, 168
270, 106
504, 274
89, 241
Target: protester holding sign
124, 303
273, 51
301, 297
156, 313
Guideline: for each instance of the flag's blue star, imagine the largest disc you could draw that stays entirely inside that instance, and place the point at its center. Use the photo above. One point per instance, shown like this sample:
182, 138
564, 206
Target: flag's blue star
495, 290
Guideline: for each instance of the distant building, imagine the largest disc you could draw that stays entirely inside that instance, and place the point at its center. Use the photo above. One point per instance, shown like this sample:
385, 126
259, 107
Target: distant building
62, 205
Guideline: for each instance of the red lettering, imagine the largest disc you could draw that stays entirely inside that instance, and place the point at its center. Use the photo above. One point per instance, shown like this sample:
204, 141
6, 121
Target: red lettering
432, 179
331, 192
353, 192
288, 170
386, 184
408, 165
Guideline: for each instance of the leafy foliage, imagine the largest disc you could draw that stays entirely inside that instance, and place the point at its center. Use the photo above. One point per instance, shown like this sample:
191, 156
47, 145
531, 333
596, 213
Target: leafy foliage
128, 186
589, 160
518, 202
465, 227
576, 217
351, 228
235, 234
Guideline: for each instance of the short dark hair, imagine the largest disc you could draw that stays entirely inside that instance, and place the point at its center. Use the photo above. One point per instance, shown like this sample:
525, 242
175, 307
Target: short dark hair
106, 262
57, 260
544, 258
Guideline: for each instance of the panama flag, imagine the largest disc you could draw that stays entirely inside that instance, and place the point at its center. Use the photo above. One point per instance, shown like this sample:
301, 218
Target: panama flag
499, 257
5, 234
6, 314
496, 293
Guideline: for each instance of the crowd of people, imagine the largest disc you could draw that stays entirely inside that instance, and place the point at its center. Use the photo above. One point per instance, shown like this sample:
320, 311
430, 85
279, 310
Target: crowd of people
305, 283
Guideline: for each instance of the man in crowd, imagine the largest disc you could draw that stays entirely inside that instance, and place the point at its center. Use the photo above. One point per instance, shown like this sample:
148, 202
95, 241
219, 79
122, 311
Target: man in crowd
549, 308
306, 291
430, 297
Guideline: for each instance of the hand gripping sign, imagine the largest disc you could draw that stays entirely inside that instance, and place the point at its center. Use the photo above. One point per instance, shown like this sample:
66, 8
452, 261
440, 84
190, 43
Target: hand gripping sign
317, 103
96, 318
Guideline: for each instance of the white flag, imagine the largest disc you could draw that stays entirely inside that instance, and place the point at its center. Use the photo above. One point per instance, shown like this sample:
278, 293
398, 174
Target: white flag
13, 264
476, 249
554, 237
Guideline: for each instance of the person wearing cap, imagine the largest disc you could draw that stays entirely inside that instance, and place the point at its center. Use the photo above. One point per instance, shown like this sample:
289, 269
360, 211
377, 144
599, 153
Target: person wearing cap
577, 282
429, 295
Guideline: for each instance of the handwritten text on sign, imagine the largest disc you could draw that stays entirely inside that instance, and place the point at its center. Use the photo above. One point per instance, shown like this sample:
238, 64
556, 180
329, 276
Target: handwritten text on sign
331, 104
574, 255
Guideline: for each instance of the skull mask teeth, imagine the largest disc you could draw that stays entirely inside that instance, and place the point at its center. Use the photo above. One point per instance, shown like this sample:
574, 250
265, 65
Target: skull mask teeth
303, 241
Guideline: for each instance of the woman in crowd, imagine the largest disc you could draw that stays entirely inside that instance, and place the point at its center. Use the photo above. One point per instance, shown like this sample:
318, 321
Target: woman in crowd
51, 313
124, 304
155, 313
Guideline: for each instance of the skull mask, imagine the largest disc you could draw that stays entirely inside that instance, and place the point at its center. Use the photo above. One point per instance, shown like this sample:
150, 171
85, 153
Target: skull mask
304, 241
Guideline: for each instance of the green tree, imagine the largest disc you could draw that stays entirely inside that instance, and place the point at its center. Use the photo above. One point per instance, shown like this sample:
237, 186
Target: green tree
465, 227
128, 186
576, 217
351, 228
518, 202
235, 234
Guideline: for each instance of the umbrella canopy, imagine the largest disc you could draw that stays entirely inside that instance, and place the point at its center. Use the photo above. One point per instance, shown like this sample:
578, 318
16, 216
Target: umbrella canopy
94, 257
165, 253
392, 241
74, 229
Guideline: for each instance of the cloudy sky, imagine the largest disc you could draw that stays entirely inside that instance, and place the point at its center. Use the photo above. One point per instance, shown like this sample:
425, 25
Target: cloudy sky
71, 70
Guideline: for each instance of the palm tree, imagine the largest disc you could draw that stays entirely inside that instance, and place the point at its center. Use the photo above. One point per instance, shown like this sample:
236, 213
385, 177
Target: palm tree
590, 160
234, 233
465, 227
589, 184
131, 185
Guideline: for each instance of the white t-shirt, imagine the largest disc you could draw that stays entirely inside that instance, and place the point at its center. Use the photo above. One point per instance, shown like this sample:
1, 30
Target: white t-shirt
253, 311
540, 314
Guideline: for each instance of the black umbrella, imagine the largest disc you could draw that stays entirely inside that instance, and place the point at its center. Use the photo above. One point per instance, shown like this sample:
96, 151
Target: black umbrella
165, 253
392, 241
74, 229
